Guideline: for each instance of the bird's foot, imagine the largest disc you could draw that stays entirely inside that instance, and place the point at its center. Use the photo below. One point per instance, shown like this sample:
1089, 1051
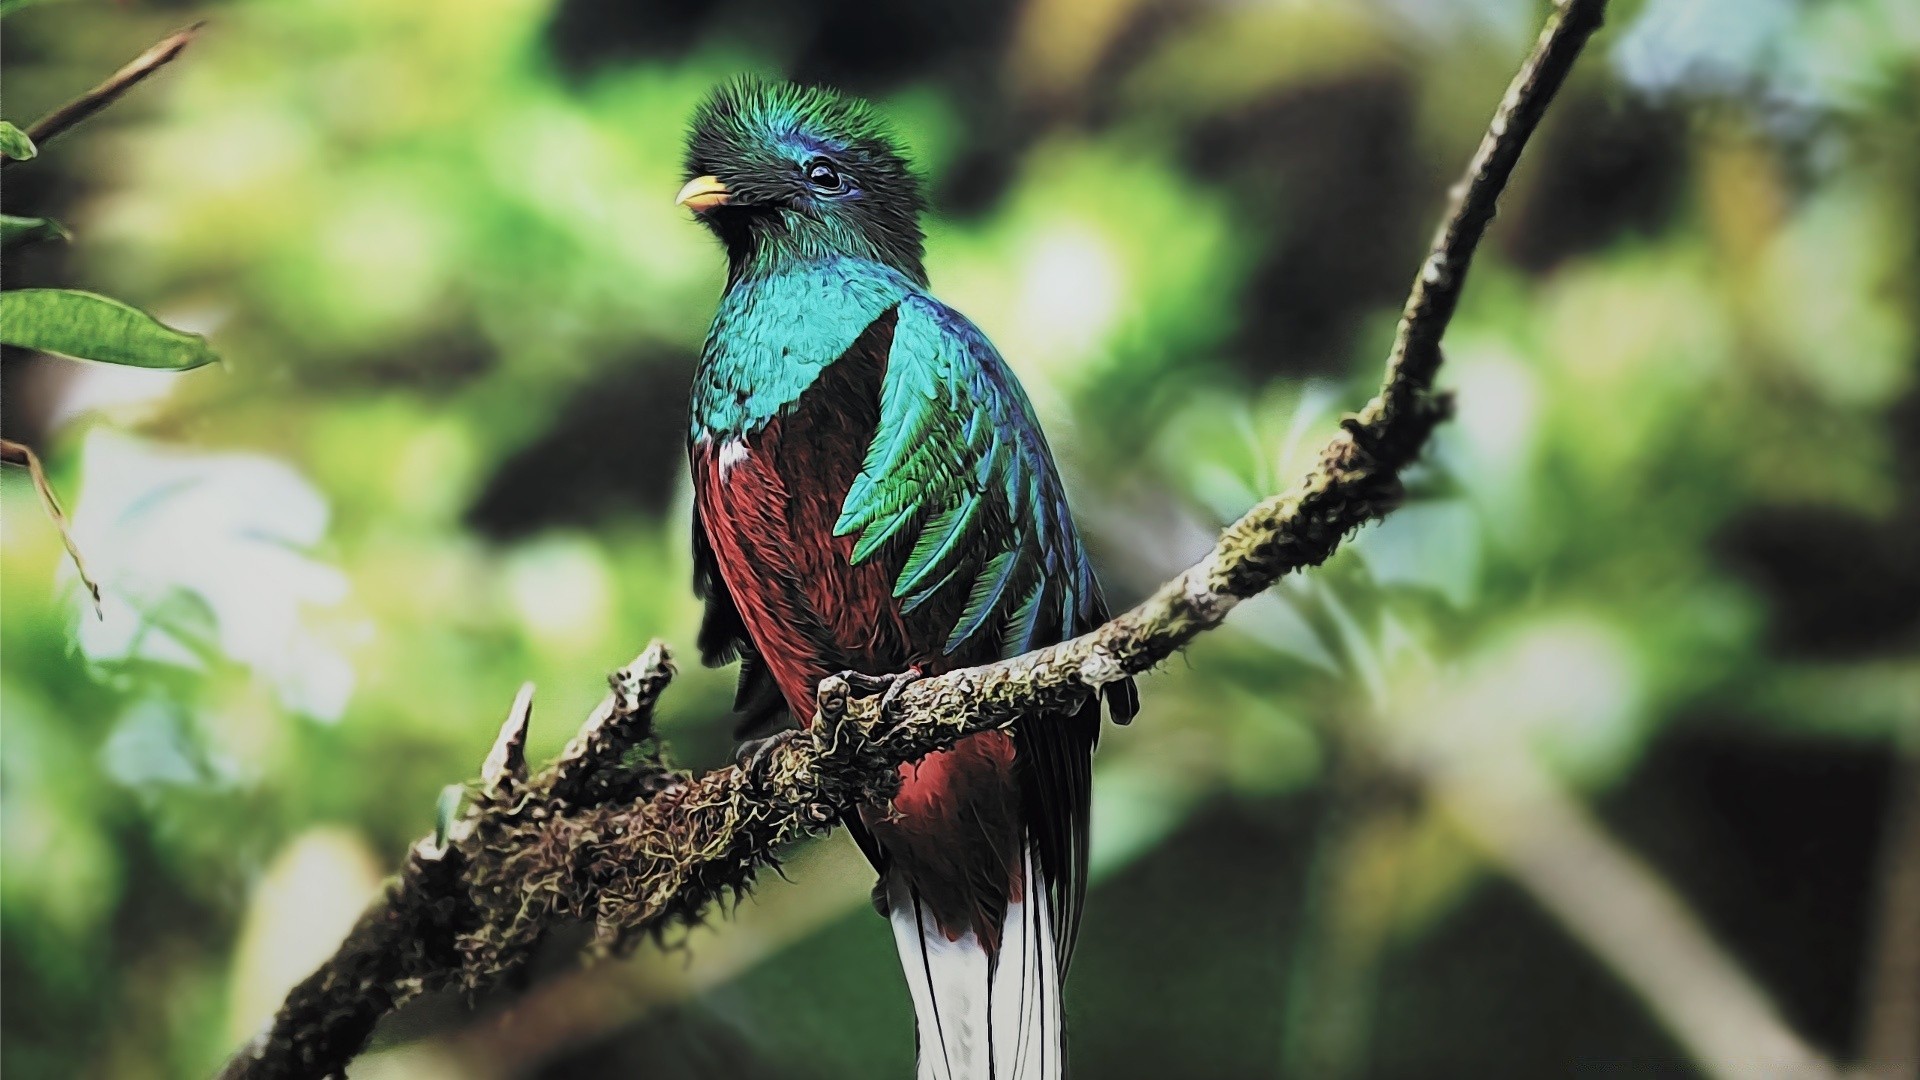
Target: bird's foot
887, 686
881, 904
754, 755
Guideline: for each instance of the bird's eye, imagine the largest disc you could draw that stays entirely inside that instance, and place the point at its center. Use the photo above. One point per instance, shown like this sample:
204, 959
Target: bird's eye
824, 178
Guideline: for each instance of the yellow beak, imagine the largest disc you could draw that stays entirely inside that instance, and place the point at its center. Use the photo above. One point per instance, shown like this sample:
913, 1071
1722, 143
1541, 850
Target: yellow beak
702, 193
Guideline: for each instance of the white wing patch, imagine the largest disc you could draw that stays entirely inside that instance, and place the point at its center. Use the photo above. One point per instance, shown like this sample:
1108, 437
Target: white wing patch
732, 452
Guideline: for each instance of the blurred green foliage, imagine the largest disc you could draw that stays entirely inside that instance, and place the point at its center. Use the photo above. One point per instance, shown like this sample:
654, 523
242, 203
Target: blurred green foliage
1666, 549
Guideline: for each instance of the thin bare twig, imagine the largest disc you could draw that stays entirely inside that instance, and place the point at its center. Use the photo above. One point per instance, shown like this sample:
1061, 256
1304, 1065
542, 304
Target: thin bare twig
528, 859
22, 455
64, 118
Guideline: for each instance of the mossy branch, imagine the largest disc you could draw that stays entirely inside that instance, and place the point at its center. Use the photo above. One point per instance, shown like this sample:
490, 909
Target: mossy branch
453, 915
612, 837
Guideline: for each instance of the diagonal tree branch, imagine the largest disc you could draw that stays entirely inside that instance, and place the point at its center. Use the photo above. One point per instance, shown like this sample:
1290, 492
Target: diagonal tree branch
634, 847
431, 923
1525, 820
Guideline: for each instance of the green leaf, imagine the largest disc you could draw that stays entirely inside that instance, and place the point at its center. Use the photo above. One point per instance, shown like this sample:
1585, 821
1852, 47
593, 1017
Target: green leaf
15, 231
14, 143
94, 327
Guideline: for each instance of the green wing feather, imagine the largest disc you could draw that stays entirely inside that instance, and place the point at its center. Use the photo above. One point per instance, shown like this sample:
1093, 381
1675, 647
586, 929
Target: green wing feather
959, 467
959, 470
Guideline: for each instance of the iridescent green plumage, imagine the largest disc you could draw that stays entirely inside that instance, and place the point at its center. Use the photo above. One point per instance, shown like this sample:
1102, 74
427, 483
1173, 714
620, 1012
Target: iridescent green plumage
873, 492
960, 465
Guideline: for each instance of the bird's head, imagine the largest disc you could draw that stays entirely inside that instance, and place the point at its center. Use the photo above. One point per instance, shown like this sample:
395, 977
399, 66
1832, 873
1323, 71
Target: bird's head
783, 172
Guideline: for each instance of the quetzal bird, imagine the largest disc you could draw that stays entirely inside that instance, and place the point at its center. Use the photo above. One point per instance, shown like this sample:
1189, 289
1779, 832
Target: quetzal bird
872, 493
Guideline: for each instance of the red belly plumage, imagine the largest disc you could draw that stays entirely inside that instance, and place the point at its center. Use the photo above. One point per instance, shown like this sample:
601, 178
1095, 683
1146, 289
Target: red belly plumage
768, 502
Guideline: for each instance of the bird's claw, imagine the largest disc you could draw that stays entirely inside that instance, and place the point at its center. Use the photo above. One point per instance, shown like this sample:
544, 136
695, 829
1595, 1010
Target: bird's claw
887, 686
753, 755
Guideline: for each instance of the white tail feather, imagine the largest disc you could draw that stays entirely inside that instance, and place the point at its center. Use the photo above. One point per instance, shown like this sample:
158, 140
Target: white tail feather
981, 1020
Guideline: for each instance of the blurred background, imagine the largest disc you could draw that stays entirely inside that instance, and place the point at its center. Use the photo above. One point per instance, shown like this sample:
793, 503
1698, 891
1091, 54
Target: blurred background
1600, 754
